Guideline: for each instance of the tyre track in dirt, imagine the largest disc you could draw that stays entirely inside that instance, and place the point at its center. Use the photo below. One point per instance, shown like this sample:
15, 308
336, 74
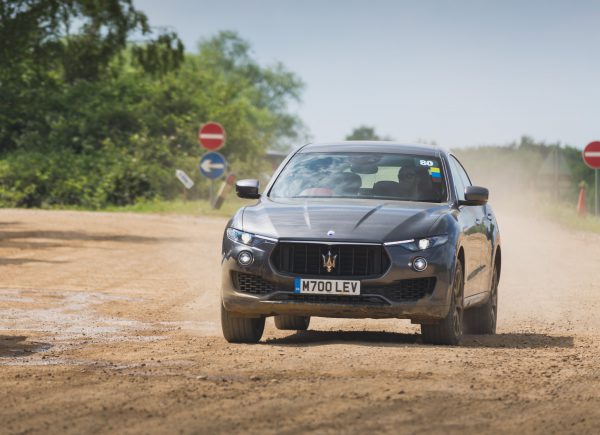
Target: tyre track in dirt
109, 322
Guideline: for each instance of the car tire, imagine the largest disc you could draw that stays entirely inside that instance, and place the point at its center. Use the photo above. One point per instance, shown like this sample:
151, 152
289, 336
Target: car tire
297, 323
449, 330
482, 320
238, 329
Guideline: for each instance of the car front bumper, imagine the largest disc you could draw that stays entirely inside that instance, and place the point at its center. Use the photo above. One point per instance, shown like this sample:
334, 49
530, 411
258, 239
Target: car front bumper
373, 303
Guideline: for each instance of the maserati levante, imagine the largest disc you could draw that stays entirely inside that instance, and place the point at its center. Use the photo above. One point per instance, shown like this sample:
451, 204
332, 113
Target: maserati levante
363, 230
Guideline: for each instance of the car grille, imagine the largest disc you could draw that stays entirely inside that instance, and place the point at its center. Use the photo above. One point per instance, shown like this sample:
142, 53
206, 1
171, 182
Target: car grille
244, 282
404, 290
350, 260
329, 299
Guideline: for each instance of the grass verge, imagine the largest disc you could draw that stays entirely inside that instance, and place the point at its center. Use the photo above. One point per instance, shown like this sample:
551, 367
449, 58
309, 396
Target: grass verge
566, 215
193, 208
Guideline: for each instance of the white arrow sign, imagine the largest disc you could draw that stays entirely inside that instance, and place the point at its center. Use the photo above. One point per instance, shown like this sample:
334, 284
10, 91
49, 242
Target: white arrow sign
207, 166
185, 180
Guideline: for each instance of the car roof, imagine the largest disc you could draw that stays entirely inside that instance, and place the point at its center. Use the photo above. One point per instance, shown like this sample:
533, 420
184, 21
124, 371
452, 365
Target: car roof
376, 146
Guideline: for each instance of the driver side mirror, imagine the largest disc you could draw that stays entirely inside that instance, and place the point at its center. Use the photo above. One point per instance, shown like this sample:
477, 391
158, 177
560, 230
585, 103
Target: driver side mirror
475, 195
247, 189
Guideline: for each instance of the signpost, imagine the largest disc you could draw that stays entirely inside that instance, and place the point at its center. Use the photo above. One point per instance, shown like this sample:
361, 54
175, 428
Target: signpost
591, 157
186, 181
211, 136
212, 165
184, 178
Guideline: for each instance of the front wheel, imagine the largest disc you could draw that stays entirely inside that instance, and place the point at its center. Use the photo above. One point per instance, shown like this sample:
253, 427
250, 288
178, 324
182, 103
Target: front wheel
449, 330
482, 320
238, 329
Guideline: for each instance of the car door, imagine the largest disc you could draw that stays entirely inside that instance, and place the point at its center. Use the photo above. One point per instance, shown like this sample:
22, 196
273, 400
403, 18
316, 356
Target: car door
471, 220
488, 248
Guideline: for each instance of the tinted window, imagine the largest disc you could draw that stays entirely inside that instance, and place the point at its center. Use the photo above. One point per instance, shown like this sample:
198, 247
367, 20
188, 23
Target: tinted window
459, 182
358, 175
462, 172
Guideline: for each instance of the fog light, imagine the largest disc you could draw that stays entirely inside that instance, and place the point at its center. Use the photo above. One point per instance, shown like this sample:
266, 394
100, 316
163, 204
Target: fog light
245, 258
419, 264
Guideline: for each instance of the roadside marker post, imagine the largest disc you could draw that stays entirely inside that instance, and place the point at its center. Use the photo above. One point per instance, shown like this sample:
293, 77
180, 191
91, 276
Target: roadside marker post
187, 182
581, 210
591, 157
226, 187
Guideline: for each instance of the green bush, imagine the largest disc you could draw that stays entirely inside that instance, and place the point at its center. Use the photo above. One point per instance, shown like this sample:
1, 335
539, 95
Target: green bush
63, 177
118, 139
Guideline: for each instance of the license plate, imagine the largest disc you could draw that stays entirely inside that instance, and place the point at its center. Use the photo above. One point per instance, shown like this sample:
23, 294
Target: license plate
327, 286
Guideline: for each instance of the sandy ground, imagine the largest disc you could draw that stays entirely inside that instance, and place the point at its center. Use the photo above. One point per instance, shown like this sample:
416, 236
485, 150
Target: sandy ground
109, 323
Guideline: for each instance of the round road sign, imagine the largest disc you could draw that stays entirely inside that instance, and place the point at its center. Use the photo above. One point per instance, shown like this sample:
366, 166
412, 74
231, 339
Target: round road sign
211, 136
591, 155
212, 165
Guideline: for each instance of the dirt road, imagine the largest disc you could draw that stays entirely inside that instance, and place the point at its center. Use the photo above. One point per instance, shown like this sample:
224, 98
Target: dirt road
108, 323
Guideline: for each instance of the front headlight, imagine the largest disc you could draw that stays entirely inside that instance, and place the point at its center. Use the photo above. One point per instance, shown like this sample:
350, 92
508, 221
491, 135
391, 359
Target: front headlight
420, 244
239, 236
246, 238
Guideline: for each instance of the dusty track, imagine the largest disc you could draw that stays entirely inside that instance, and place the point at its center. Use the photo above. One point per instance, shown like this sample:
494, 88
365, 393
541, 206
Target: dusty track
108, 322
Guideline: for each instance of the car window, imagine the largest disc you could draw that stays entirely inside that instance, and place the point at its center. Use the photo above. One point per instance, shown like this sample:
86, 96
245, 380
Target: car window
404, 177
384, 173
459, 180
462, 172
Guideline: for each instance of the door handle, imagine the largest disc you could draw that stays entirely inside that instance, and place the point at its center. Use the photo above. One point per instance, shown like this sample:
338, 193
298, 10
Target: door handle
477, 221
490, 216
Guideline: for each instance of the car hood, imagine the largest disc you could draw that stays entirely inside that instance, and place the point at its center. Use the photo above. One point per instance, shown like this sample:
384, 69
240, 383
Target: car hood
350, 220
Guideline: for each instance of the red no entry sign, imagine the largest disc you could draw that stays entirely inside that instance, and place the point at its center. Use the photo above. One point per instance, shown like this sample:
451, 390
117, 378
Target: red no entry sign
591, 155
211, 136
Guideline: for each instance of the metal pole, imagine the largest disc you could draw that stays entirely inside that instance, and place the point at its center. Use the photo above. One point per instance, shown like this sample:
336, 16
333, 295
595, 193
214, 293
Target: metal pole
555, 167
597, 192
211, 192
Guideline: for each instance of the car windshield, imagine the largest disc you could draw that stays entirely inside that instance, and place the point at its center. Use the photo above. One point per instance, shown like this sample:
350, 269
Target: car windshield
405, 177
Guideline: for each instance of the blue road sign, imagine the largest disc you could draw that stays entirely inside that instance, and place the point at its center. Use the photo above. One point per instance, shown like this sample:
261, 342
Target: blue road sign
212, 165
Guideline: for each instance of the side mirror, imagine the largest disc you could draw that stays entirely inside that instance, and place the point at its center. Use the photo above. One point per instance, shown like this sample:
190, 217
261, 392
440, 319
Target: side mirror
247, 189
475, 195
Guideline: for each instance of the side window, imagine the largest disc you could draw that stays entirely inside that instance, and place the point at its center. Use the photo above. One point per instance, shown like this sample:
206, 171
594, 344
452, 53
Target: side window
463, 173
458, 177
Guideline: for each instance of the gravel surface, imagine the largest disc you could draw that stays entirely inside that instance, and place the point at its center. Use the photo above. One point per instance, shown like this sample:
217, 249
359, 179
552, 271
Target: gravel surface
109, 323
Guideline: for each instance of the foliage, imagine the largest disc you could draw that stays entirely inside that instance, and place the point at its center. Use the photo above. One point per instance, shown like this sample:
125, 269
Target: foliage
365, 133
90, 118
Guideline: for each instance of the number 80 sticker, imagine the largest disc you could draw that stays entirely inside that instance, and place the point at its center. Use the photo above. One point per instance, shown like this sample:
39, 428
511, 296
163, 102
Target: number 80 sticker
426, 163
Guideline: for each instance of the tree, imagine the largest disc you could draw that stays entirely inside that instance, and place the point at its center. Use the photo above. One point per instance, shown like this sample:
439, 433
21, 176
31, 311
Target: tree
365, 133
49, 45
117, 138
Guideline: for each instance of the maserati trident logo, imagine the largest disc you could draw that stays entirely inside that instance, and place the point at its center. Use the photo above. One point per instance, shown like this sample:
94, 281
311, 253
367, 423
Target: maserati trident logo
329, 261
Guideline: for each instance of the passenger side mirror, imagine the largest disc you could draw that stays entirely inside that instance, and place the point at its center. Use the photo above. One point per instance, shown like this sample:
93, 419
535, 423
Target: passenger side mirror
247, 189
475, 195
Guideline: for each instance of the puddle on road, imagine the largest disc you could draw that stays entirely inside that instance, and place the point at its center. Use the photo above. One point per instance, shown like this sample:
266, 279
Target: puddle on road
71, 316
13, 295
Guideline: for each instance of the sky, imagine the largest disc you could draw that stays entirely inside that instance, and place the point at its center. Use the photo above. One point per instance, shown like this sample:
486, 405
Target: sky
460, 73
